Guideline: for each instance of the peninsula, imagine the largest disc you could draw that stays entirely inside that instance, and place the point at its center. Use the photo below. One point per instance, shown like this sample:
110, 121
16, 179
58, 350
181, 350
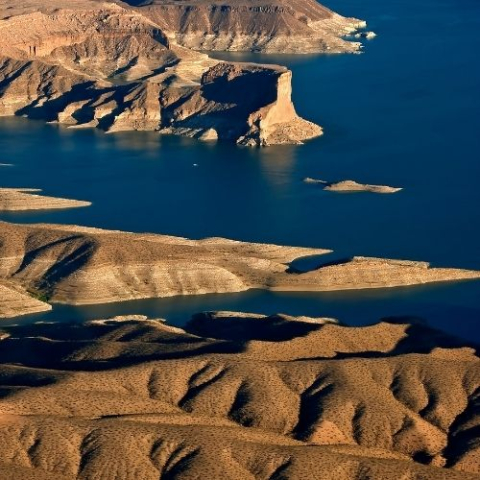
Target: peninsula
79, 265
24, 199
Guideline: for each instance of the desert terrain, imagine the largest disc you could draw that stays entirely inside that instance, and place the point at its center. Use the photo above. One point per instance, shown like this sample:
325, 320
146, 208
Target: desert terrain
117, 67
237, 395
230, 395
78, 265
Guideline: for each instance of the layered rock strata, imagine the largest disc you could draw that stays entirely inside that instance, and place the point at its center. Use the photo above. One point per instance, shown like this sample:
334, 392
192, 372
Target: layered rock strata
301, 26
78, 265
99, 64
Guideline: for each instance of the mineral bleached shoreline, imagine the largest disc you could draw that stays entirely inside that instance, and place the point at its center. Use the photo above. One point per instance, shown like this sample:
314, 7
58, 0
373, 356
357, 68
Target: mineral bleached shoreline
24, 199
297, 27
135, 398
78, 265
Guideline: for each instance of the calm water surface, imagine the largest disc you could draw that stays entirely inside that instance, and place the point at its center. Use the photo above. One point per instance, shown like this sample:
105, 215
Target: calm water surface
405, 113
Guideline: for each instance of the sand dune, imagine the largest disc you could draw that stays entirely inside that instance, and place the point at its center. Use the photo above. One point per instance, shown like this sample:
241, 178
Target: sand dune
135, 398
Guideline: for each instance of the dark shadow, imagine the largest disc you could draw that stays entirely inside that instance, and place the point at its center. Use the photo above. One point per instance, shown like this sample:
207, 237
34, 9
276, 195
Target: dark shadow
75, 251
461, 436
274, 328
48, 111
310, 264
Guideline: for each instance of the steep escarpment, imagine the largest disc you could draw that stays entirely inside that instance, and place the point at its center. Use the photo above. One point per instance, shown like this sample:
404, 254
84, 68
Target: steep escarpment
265, 116
98, 64
136, 398
300, 26
83, 266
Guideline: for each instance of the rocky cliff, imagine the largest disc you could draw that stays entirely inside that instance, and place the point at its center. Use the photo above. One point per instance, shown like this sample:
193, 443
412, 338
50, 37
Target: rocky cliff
299, 26
83, 266
98, 64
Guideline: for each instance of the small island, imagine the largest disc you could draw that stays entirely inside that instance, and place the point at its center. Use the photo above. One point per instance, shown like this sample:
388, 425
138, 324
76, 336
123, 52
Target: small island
352, 186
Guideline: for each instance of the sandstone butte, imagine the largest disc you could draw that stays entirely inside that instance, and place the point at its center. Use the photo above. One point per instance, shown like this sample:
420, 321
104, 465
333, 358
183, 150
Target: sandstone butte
275, 397
79, 265
91, 63
23, 199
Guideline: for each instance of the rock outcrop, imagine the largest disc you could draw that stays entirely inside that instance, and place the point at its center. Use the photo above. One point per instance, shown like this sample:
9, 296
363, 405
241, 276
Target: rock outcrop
352, 186
99, 64
78, 265
299, 26
135, 398
23, 199
14, 301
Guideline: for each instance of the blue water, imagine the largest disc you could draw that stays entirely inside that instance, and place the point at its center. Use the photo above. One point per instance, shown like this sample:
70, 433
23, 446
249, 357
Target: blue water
405, 113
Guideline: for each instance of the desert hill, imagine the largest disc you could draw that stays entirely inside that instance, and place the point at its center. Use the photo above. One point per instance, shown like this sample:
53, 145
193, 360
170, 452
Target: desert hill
299, 26
135, 398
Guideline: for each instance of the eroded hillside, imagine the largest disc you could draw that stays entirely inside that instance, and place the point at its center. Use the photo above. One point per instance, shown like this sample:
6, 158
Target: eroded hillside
238, 396
299, 26
78, 265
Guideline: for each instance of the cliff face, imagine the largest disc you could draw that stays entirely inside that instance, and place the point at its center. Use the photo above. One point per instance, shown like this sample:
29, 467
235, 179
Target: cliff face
101, 65
299, 26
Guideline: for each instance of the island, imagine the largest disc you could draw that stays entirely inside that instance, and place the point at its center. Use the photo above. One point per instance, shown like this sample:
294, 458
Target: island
352, 186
